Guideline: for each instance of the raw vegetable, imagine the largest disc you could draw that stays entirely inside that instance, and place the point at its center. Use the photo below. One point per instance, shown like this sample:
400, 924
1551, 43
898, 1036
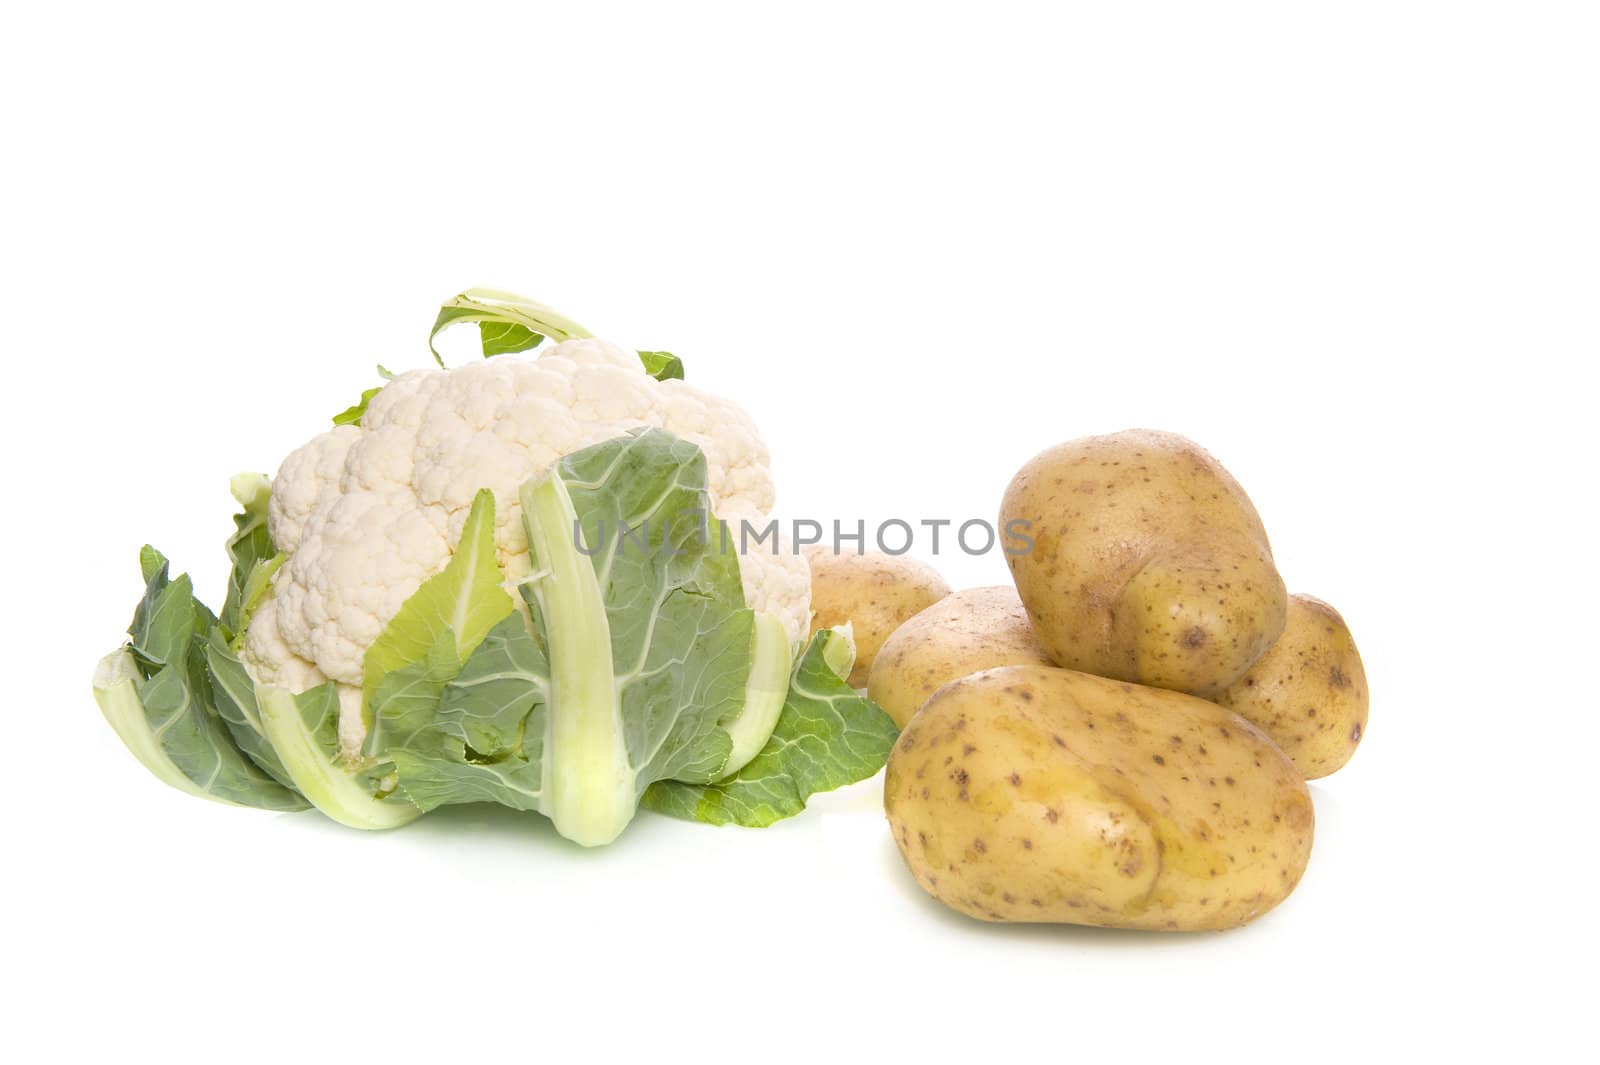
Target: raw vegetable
1029, 793
1147, 562
1309, 691
157, 694
872, 592
966, 631
365, 512
515, 581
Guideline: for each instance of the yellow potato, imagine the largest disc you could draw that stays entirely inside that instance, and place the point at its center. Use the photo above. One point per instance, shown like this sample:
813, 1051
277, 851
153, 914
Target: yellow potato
1147, 562
978, 628
1308, 692
875, 593
1029, 793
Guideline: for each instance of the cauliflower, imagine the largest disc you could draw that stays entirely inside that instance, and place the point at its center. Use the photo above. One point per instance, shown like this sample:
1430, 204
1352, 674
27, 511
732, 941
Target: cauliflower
365, 513
409, 622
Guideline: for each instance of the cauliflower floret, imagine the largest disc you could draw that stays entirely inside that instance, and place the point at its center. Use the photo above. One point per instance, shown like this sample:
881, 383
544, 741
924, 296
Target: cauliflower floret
779, 584
366, 513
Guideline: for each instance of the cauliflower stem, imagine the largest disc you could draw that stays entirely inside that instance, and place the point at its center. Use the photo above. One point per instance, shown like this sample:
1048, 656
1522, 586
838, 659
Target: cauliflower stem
763, 694
290, 723
590, 788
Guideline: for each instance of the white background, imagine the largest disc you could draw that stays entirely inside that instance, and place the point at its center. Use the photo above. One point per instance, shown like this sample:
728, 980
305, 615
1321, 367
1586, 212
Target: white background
1351, 250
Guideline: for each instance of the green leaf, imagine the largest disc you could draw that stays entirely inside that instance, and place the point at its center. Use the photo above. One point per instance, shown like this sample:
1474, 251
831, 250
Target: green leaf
163, 723
157, 694
257, 589
151, 562
677, 601
514, 323
249, 549
464, 599
404, 705
506, 338
165, 621
406, 701
353, 414
662, 365
827, 737
485, 741
670, 611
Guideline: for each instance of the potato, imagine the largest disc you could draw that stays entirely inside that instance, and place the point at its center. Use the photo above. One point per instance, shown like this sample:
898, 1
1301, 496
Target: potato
1308, 692
970, 630
1148, 562
872, 591
1028, 793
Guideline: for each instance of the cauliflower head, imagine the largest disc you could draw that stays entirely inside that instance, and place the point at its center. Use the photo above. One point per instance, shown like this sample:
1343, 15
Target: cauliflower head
365, 513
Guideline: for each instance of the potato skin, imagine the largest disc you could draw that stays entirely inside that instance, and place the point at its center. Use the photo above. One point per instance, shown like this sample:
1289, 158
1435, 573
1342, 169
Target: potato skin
1309, 691
966, 631
1029, 793
874, 592
1149, 564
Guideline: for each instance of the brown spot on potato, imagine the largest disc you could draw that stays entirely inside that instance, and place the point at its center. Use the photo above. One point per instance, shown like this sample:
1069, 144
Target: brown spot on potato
1337, 678
1355, 732
1194, 638
1158, 760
